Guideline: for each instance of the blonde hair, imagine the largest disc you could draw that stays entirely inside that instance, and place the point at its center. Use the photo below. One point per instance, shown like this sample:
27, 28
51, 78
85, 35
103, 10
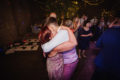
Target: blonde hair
68, 23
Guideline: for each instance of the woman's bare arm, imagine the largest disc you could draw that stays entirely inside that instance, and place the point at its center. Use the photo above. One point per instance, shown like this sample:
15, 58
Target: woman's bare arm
86, 35
112, 23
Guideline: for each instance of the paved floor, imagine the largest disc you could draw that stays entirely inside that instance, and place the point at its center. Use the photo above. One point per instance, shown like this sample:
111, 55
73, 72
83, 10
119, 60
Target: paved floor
31, 66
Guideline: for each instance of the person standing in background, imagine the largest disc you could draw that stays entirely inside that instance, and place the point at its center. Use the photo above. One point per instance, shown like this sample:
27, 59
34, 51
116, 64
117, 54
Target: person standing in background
76, 26
53, 14
84, 36
68, 23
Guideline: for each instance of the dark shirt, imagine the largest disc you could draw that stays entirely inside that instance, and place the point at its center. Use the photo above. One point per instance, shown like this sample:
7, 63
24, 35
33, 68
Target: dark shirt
109, 56
83, 42
97, 32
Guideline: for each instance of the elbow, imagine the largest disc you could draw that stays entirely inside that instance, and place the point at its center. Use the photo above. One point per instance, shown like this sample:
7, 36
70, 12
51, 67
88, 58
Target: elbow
75, 43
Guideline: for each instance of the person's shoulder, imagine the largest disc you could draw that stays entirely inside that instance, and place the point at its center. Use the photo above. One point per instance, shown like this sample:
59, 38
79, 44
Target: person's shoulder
110, 30
62, 32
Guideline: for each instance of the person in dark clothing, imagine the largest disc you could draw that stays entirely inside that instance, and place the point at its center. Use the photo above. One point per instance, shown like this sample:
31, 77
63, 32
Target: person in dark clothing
97, 31
108, 60
84, 36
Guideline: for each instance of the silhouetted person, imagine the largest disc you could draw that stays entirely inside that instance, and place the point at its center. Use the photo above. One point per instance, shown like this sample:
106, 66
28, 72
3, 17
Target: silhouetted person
108, 60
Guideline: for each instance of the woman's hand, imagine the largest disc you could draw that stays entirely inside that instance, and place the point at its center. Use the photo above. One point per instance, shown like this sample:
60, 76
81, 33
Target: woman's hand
86, 35
90, 34
44, 55
52, 53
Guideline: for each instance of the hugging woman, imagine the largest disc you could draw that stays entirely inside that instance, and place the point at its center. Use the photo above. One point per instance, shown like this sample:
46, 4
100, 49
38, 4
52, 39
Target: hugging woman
58, 43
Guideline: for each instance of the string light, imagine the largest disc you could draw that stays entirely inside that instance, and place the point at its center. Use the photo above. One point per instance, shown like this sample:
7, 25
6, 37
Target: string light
93, 3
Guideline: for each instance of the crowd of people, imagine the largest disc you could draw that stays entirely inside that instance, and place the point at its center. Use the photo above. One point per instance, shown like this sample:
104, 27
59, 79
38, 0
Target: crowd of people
65, 44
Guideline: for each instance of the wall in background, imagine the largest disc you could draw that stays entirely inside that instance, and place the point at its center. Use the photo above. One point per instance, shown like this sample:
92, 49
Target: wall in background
15, 19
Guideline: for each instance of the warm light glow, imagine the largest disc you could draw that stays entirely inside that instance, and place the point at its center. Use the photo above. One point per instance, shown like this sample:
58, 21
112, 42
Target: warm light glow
75, 2
93, 2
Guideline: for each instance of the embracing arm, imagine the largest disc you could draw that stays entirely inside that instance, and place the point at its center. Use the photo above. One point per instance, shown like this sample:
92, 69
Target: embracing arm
69, 44
86, 35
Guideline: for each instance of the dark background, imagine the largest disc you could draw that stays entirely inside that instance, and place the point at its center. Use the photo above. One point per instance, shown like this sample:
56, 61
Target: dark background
16, 16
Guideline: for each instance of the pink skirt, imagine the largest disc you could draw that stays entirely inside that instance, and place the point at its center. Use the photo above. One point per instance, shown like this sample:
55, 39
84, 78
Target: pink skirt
55, 67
